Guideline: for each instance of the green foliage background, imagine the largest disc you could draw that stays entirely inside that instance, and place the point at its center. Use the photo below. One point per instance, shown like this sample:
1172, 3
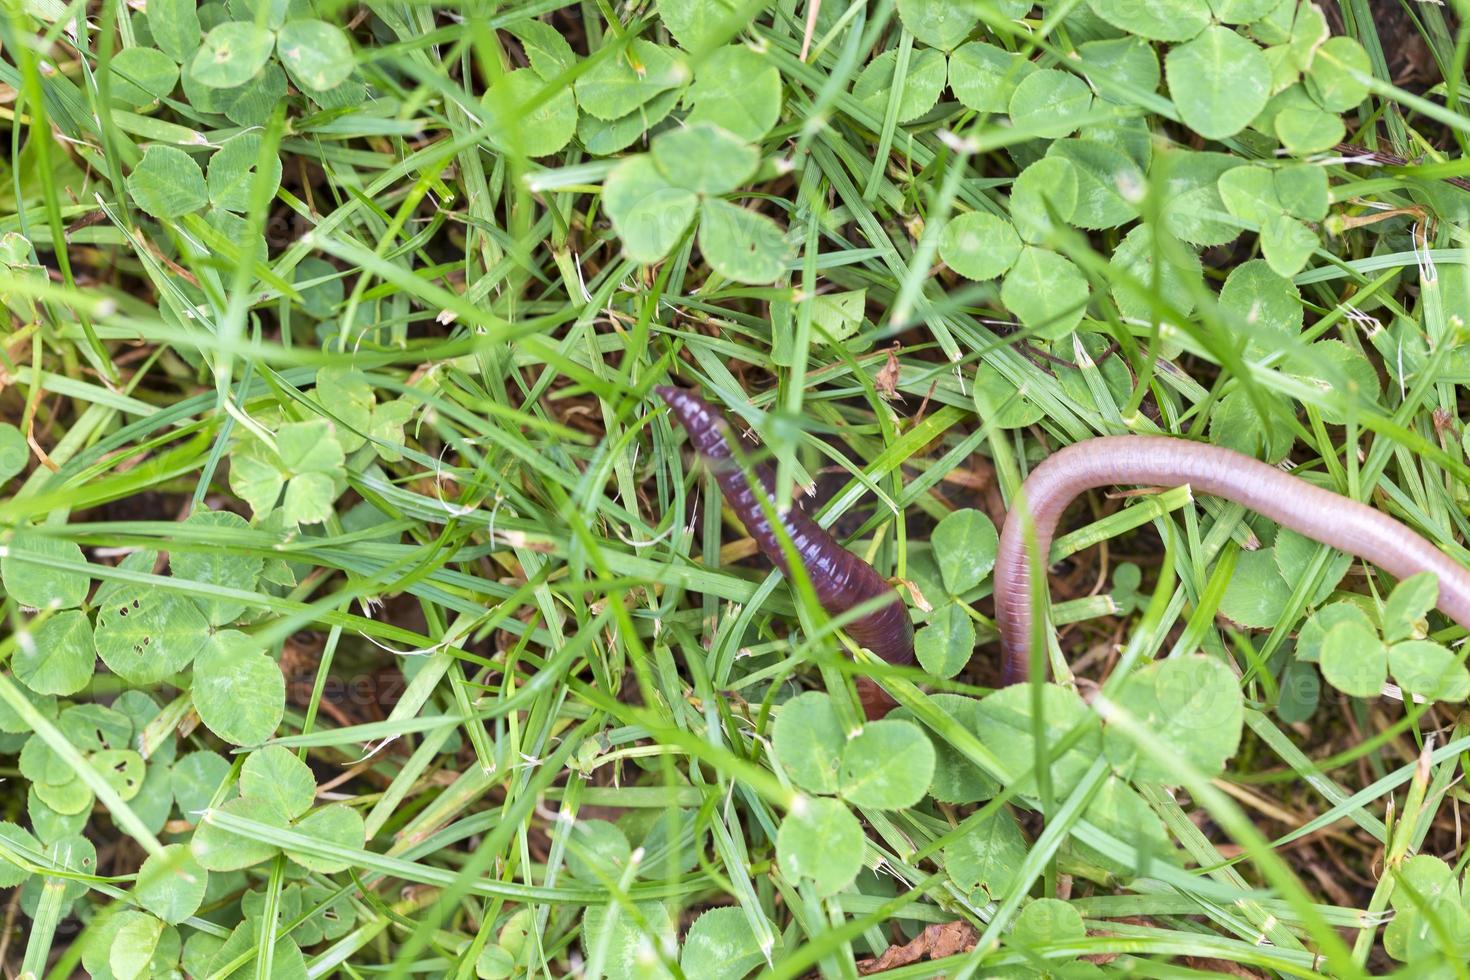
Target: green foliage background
366, 615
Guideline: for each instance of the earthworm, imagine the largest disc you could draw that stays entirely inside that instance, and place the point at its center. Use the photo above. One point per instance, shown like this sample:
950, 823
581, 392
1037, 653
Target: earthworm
841, 580
1291, 502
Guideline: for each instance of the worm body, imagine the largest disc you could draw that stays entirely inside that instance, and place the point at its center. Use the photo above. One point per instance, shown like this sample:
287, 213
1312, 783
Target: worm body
1293, 503
841, 580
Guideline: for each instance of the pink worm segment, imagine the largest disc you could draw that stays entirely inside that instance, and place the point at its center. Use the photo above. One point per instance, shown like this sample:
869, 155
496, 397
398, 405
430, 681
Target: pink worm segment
1291, 502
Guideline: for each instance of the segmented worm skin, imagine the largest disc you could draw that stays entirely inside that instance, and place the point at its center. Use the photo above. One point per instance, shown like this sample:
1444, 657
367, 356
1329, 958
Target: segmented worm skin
841, 580
1293, 503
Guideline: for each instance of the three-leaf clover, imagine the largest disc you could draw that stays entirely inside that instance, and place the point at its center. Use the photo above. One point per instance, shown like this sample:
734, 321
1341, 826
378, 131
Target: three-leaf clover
1357, 656
652, 199
277, 789
887, 764
306, 462
104, 737
349, 398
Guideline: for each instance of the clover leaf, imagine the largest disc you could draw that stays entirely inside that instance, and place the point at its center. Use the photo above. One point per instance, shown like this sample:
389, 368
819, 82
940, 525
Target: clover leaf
238, 690
820, 841
307, 462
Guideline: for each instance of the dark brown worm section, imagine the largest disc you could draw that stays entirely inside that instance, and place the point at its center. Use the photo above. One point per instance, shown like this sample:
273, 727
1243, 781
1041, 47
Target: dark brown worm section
841, 580
1322, 515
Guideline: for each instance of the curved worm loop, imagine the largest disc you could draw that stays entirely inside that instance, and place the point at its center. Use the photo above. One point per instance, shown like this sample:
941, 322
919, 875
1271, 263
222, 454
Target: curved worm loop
841, 580
1291, 502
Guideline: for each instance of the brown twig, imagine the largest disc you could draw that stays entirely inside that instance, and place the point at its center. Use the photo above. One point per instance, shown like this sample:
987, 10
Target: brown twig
1382, 159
